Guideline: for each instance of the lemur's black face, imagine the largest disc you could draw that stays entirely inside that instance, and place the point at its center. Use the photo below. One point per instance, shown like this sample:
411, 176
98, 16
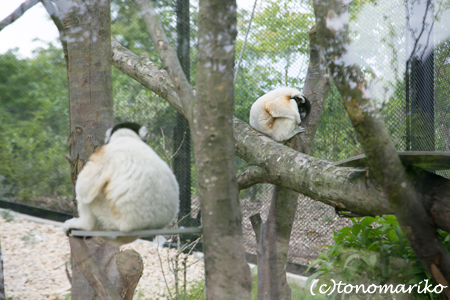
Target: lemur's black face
304, 106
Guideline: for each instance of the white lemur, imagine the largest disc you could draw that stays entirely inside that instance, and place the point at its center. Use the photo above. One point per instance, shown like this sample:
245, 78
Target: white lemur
125, 185
279, 113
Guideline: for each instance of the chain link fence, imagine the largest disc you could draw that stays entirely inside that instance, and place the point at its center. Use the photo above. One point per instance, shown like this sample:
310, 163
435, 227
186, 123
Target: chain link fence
406, 61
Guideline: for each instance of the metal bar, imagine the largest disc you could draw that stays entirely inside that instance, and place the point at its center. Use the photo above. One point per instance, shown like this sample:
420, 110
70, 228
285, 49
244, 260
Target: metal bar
141, 233
2, 282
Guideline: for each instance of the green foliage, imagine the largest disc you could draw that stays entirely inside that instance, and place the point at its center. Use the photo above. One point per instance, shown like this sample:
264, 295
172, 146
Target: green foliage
372, 251
335, 137
279, 39
197, 291
33, 125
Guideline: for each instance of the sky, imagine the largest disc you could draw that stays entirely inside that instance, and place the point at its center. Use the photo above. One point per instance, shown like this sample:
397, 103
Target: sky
34, 24
35, 29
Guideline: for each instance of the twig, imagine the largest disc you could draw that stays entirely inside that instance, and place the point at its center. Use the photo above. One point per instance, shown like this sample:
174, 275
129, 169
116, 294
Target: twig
185, 276
169, 159
162, 270
245, 42
177, 268
201, 292
194, 262
69, 277
184, 217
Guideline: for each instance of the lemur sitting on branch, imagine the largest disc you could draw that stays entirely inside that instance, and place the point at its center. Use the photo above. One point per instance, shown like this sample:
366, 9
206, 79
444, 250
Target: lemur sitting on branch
279, 113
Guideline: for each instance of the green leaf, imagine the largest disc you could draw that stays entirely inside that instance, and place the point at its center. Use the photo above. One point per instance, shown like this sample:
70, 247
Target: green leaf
370, 261
356, 229
312, 277
367, 221
345, 230
350, 258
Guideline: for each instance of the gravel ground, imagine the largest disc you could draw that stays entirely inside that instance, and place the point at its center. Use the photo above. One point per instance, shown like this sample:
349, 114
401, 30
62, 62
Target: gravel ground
35, 256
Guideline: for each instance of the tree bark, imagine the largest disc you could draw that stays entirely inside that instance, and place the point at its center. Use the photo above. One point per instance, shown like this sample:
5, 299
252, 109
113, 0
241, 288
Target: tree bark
227, 273
332, 20
119, 271
87, 27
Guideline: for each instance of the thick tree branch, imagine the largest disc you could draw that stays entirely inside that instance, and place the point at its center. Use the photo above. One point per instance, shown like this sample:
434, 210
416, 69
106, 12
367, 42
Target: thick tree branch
332, 21
17, 13
250, 176
146, 73
167, 53
345, 189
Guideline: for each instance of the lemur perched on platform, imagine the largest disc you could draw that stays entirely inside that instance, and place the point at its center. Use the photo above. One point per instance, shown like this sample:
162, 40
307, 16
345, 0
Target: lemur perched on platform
125, 185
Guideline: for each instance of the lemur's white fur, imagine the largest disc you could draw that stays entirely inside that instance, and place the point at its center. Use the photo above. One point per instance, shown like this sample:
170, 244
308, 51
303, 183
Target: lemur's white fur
276, 114
125, 186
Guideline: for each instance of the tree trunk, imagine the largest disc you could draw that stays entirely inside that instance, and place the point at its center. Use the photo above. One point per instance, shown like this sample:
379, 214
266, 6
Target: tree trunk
91, 113
274, 245
227, 273
211, 123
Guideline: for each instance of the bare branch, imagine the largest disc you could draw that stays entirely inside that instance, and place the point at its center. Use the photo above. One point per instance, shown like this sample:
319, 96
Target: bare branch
162, 270
57, 19
147, 73
167, 53
17, 13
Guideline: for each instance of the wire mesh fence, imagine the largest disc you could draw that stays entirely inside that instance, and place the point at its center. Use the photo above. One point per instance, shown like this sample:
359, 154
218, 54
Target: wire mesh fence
405, 58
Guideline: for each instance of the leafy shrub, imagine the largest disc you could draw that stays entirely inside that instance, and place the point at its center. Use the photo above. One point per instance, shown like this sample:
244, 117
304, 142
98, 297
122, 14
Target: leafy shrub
372, 251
